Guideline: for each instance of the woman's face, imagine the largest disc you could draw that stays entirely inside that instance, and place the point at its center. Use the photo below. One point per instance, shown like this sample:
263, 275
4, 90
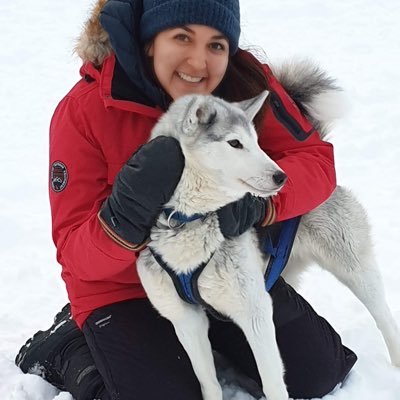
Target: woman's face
191, 59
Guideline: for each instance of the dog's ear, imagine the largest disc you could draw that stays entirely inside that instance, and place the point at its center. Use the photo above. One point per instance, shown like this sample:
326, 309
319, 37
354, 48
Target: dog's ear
252, 106
201, 111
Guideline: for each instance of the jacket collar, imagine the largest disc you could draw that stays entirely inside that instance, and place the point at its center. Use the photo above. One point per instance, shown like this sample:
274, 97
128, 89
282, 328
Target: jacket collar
107, 77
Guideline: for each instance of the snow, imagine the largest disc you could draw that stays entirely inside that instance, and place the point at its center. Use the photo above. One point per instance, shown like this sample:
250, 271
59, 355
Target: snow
355, 40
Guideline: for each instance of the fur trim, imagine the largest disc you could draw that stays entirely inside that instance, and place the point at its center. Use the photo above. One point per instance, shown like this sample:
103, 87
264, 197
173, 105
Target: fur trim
314, 92
93, 44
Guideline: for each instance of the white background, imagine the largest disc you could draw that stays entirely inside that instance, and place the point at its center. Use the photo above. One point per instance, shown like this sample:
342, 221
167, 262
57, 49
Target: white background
356, 41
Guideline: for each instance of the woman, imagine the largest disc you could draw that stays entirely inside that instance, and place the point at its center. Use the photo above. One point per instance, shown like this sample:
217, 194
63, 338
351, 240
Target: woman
138, 57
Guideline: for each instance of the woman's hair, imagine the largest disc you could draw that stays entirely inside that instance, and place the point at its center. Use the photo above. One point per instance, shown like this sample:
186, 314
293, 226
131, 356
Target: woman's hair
244, 78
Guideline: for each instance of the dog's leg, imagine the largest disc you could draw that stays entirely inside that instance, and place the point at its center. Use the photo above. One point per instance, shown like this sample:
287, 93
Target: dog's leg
363, 278
294, 269
257, 325
190, 323
241, 295
192, 332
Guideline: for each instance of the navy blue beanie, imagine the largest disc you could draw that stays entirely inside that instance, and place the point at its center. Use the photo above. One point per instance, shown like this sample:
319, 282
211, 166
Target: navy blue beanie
223, 15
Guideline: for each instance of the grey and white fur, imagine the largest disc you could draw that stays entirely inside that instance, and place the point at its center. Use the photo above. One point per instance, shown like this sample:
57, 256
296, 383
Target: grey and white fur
217, 171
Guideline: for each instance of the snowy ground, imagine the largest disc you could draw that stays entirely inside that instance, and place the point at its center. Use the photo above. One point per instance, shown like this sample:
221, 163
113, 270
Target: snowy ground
355, 40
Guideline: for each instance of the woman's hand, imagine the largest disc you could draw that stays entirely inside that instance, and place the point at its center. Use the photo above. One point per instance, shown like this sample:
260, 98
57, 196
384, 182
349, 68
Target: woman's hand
237, 217
144, 184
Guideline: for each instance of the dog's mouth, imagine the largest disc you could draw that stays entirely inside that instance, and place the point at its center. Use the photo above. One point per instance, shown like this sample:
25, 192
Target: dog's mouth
259, 191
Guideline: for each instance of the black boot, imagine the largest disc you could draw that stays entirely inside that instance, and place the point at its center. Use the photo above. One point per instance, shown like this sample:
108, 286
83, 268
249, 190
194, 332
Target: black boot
61, 356
41, 354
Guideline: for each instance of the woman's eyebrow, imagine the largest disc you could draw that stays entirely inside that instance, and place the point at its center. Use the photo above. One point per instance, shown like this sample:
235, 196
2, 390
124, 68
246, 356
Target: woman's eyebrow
218, 37
215, 37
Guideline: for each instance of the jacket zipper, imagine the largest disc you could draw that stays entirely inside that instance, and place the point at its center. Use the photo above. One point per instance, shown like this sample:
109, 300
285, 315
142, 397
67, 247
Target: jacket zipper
287, 120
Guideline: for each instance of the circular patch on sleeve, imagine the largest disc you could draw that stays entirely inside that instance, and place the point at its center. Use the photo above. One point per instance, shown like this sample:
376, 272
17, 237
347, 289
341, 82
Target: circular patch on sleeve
58, 176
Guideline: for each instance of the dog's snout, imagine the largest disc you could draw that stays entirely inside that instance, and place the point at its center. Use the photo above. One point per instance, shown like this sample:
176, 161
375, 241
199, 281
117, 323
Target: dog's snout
279, 178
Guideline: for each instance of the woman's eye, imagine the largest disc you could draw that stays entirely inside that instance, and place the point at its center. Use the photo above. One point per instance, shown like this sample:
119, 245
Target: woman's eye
182, 37
235, 144
217, 46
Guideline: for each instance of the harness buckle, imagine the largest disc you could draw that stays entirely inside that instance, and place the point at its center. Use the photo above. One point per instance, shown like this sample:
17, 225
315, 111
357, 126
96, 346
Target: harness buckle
176, 225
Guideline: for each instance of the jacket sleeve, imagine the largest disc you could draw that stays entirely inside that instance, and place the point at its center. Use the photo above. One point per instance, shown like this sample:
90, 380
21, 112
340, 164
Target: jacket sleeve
83, 248
307, 160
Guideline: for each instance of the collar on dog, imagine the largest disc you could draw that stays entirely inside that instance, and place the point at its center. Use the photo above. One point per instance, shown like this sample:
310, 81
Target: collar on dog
180, 217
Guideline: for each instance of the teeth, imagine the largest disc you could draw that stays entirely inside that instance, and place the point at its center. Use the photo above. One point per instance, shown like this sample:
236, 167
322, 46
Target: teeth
189, 78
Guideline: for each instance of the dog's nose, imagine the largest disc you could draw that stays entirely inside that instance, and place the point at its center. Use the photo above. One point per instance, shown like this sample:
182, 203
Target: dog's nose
279, 178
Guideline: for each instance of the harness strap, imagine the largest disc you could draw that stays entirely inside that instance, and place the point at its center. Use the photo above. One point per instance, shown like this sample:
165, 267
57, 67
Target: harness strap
180, 217
279, 249
278, 243
186, 285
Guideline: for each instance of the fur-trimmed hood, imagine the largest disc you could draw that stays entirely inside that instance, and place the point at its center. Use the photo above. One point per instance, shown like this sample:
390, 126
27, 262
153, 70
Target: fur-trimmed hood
316, 94
93, 44
112, 28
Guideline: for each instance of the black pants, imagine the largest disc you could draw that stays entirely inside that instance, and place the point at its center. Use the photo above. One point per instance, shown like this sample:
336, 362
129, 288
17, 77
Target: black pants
139, 357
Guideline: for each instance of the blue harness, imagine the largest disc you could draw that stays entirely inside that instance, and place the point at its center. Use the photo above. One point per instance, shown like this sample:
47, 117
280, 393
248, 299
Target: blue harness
278, 242
279, 245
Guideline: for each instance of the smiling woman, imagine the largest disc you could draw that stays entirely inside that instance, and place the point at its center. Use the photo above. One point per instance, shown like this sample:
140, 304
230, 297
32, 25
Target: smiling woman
137, 57
189, 59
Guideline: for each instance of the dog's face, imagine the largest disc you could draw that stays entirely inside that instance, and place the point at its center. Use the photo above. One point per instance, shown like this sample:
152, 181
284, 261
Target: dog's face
219, 139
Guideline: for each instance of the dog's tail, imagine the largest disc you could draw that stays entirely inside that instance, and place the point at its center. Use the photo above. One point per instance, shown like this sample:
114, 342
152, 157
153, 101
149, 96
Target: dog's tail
314, 92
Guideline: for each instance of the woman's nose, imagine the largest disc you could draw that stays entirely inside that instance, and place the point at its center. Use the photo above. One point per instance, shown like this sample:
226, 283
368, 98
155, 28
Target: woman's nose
197, 59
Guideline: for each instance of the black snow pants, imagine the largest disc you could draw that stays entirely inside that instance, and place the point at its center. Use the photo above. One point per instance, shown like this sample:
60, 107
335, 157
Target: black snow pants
138, 356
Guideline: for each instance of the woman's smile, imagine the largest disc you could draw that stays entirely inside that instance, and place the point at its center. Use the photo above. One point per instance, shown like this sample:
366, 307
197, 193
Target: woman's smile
189, 78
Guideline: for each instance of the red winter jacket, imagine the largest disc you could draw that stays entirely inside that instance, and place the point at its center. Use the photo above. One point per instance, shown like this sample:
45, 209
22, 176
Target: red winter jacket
92, 135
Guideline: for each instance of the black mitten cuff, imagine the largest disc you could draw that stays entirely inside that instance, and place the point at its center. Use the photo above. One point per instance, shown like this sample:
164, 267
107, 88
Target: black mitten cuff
110, 227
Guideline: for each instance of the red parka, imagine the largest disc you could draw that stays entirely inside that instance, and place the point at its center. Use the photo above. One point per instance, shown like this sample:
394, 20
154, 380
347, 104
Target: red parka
92, 135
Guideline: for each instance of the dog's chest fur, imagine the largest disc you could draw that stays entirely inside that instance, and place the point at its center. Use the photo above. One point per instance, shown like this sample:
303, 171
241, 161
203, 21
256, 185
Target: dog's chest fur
234, 266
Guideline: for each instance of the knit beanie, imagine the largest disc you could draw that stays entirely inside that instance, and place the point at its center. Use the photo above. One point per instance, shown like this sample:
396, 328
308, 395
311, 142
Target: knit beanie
223, 15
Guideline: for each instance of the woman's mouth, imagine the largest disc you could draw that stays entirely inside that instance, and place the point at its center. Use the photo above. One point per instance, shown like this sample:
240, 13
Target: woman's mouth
188, 78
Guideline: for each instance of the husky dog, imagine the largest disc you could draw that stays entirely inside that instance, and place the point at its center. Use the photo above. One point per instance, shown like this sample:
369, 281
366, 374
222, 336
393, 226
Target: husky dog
218, 171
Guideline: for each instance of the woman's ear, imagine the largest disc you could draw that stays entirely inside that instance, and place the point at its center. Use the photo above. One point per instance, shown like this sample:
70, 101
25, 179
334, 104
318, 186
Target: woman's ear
149, 49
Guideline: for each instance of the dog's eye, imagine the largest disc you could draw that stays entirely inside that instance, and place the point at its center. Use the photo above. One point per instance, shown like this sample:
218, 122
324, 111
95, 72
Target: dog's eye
235, 143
